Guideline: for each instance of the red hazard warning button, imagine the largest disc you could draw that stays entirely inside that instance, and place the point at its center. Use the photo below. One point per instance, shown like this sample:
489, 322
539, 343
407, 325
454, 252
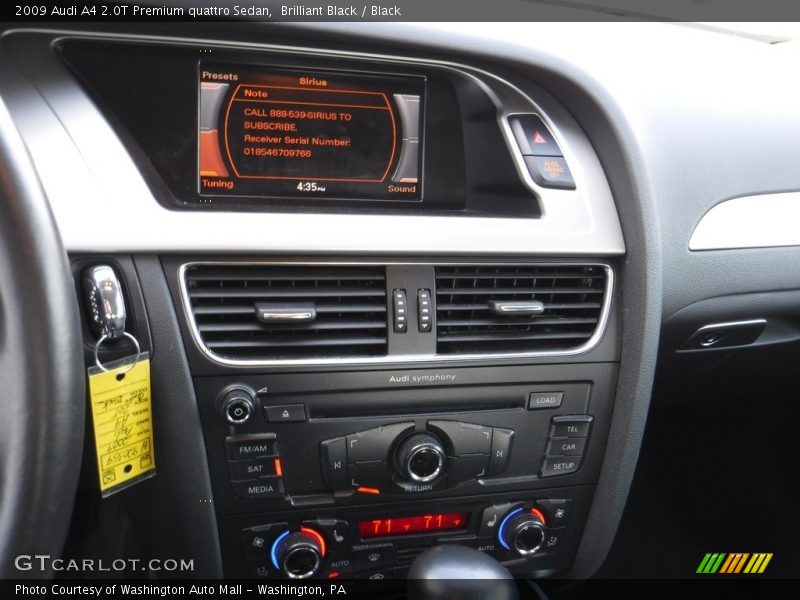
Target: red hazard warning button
533, 138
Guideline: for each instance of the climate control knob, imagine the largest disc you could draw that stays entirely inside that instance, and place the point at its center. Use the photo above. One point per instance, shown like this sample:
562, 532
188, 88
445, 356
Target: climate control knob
420, 457
299, 554
523, 531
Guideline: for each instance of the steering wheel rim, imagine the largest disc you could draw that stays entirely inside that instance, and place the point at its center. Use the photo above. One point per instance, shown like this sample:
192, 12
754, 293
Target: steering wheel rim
41, 368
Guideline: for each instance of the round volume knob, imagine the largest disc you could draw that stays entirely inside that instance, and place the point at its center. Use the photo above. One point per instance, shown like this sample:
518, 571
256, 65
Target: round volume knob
236, 405
299, 554
420, 457
523, 532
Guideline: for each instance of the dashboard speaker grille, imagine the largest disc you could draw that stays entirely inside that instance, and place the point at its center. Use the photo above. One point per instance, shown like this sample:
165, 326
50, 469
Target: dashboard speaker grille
471, 300
240, 311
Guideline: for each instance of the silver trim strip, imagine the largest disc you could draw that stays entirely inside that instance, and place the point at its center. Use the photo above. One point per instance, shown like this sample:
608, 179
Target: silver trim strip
590, 344
500, 307
760, 221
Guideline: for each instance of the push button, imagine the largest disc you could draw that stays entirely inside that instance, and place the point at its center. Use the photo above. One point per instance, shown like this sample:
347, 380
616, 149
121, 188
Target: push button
334, 462
400, 305
368, 474
257, 540
262, 568
251, 446
253, 469
545, 400
373, 444
286, 413
366, 558
465, 468
424, 310
550, 171
465, 438
258, 489
571, 426
559, 466
557, 511
501, 450
491, 518
533, 137
566, 447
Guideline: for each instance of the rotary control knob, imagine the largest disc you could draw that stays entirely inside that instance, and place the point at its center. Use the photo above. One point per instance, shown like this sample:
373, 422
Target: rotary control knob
299, 554
236, 405
523, 531
420, 457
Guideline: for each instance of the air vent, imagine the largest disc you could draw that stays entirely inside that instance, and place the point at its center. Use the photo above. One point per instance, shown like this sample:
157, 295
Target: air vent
278, 312
517, 309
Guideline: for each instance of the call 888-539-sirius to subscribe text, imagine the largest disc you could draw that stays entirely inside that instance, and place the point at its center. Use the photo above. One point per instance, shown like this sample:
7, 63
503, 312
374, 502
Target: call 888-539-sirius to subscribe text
284, 11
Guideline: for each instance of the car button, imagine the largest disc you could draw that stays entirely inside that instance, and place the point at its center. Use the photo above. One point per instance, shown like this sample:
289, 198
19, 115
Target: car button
566, 447
533, 137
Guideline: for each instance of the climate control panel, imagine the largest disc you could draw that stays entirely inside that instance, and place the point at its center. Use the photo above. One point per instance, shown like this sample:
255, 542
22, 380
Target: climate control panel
383, 545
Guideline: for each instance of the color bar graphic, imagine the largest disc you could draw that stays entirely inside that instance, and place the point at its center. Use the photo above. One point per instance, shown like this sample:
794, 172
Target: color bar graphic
734, 563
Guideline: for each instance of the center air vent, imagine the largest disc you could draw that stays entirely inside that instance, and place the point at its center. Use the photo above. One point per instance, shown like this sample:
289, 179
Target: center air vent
287, 312
517, 309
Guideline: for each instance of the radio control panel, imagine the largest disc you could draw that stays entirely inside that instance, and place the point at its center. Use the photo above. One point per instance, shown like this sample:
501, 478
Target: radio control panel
326, 475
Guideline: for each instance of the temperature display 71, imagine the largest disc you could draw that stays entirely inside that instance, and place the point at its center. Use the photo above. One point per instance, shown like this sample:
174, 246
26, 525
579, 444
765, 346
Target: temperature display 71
412, 525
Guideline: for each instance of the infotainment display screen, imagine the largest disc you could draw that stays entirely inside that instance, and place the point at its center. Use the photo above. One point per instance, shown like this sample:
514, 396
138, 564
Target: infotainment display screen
309, 134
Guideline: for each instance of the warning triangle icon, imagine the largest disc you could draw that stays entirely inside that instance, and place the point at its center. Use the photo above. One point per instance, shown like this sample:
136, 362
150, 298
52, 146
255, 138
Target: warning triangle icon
538, 138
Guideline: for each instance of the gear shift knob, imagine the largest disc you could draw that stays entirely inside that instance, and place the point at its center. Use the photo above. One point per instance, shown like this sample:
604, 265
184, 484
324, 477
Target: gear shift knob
447, 572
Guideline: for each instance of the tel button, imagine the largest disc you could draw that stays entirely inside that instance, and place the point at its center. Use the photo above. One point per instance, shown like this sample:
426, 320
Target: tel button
571, 426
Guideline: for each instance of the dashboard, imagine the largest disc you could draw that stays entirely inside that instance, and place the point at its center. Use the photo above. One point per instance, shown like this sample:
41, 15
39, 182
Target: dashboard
401, 290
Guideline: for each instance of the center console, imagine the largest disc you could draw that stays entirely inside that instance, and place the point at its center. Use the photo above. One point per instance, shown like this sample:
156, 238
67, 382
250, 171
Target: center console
457, 424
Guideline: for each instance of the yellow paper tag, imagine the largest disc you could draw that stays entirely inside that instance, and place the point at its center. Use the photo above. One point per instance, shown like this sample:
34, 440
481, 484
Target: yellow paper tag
123, 423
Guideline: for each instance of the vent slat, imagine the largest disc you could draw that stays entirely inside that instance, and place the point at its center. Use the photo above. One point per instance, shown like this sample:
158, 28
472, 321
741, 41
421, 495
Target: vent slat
288, 292
315, 326
515, 291
538, 322
230, 309
547, 306
315, 342
572, 297
350, 305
